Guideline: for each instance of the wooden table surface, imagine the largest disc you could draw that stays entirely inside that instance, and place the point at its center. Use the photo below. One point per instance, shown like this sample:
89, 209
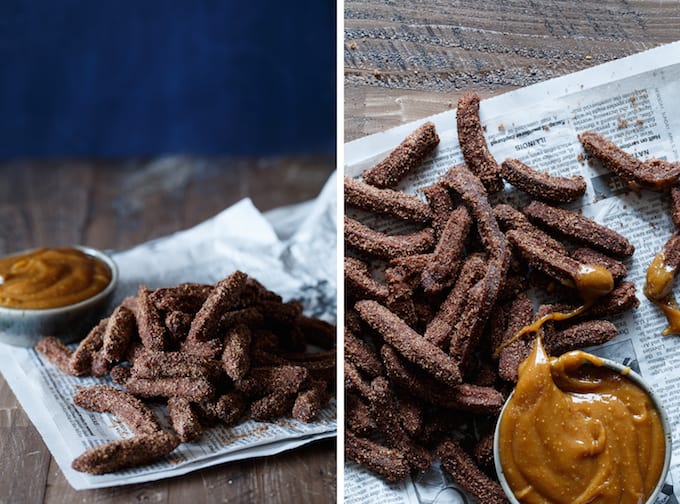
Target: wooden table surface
408, 59
114, 205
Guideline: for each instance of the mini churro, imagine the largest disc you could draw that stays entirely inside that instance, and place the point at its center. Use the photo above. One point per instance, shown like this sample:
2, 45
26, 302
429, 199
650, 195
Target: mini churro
150, 364
152, 330
82, 356
441, 271
389, 463
273, 405
185, 297
465, 473
358, 415
579, 335
462, 397
542, 185
228, 408
410, 152
386, 416
193, 389
408, 343
223, 297
652, 174
107, 399
509, 218
130, 452
519, 315
377, 244
439, 329
580, 229
386, 201
362, 355
473, 144
119, 331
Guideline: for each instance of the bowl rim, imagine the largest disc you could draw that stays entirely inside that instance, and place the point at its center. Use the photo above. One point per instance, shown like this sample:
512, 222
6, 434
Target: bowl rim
102, 294
636, 378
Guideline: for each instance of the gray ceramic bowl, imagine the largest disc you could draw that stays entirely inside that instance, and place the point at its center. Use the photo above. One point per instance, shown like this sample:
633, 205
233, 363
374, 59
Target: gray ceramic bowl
24, 328
635, 378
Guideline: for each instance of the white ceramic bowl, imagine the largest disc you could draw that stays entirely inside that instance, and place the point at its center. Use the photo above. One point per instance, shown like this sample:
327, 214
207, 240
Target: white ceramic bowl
635, 378
25, 328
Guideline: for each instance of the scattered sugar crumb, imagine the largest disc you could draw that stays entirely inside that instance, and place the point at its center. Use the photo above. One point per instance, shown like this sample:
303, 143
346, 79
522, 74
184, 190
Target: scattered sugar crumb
501, 127
353, 45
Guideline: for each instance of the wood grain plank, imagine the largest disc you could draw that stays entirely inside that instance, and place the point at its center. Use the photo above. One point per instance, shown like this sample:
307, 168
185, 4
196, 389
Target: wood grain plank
419, 53
24, 460
114, 205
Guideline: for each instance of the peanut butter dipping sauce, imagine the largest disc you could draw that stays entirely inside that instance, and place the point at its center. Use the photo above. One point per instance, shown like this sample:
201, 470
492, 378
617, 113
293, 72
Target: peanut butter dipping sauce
50, 278
575, 433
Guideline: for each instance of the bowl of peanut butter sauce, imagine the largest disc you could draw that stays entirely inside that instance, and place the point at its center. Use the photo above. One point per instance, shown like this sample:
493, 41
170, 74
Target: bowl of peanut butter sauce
53, 292
581, 429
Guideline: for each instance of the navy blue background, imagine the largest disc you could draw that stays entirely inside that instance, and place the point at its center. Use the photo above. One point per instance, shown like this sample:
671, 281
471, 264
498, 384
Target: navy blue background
143, 77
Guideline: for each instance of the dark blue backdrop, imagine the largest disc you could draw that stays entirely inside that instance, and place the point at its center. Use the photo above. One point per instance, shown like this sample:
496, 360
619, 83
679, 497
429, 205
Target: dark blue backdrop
142, 77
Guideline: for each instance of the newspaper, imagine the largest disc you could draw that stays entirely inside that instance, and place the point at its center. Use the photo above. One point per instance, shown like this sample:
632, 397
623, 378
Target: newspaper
241, 238
632, 101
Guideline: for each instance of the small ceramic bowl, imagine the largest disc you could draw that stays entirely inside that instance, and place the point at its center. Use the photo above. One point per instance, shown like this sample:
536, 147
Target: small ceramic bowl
635, 378
20, 327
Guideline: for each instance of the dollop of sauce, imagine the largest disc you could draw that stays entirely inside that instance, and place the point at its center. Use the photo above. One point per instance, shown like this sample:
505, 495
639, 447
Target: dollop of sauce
574, 432
593, 281
658, 289
50, 278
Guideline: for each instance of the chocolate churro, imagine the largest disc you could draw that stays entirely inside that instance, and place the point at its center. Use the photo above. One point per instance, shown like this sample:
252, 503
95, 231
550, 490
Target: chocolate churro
223, 297
473, 144
653, 174
56, 352
441, 206
519, 315
130, 452
152, 330
580, 229
360, 283
107, 399
386, 201
441, 271
542, 185
410, 152
408, 343
377, 244
465, 473
389, 463
579, 335
236, 354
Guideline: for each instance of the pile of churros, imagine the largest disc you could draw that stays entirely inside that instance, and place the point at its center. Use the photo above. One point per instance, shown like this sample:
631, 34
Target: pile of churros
213, 353
433, 315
